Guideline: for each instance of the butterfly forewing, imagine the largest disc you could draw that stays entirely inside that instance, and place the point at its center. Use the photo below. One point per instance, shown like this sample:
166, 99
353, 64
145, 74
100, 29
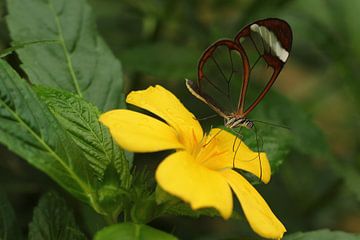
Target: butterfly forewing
267, 45
259, 71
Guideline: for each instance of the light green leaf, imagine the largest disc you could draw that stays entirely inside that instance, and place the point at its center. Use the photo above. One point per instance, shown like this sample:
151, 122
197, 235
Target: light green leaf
53, 220
107, 160
80, 62
29, 129
131, 231
322, 235
80, 119
9, 229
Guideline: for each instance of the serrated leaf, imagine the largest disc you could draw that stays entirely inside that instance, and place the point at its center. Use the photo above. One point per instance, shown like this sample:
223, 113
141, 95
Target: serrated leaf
53, 220
80, 62
29, 129
80, 119
9, 229
324, 234
107, 160
132, 231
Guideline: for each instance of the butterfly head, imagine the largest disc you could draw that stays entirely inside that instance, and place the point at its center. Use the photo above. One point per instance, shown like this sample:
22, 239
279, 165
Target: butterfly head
235, 122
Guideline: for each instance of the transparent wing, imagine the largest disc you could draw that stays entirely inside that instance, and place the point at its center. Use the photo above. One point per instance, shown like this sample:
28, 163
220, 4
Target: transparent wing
266, 45
227, 68
220, 74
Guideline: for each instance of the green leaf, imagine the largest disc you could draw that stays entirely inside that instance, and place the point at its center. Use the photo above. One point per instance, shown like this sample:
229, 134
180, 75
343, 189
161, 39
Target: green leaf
350, 175
324, 234
7, 51
29, 129
53, 220
9, 229
173, 206
131, 231
80, 62
303, 134
80, 119
274, 141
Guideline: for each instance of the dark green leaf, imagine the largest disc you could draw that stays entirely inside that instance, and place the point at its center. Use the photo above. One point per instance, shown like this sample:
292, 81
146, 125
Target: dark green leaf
7, 51
9, 230
272, 140
350, 174
322, 235
131, 231
29, 129
53, 220
303, 134
80, 62
173, 206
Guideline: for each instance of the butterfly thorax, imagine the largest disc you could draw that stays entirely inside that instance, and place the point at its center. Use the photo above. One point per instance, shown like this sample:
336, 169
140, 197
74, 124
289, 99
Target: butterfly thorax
235, 122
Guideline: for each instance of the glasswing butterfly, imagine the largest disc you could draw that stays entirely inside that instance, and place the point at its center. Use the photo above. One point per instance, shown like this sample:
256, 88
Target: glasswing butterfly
228, 67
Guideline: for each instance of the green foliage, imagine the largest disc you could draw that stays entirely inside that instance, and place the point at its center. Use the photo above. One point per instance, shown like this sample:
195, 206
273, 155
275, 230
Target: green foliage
7, 51
322, 235
9, 228
29, 129
154, 59
80, 119
54, 220
79, 62
53, 124
173, 206
132, 231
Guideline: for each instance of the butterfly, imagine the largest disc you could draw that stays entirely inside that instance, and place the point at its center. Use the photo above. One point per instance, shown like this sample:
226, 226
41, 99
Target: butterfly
228, 67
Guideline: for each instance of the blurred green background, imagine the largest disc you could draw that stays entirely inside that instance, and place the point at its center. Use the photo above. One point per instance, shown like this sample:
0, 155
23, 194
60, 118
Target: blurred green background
160, 42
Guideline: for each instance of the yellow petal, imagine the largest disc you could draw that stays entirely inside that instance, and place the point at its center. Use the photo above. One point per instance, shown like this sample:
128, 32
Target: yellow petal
262, 220
164, 104
245, 159
181, 176
137, 132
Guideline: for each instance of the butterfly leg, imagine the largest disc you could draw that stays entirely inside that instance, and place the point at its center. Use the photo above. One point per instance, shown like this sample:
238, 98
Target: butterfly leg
258, 149
236, 147
216, 134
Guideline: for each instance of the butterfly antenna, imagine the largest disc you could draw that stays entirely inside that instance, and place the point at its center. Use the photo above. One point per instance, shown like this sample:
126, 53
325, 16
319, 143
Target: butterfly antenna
272, 124
206, 118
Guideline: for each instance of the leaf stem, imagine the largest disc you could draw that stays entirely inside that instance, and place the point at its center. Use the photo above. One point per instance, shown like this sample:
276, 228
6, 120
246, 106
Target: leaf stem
66, 53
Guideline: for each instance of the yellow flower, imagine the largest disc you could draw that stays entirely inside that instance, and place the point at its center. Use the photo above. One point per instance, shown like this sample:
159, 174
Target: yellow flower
200, 171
